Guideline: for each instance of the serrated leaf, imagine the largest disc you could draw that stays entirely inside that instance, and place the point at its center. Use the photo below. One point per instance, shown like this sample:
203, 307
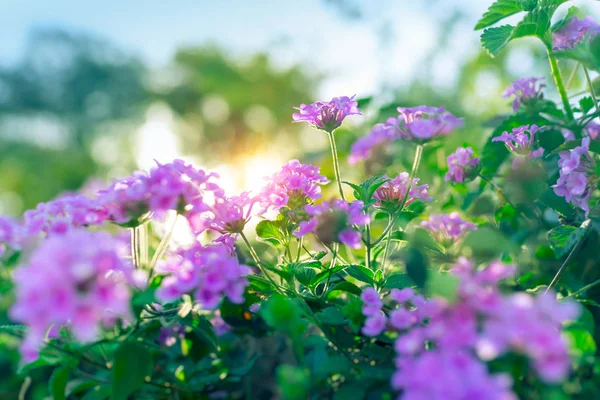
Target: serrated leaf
360, 273
270, 231
586, 104
347, 287
498, 11
131, 364
324, 274
398, 281
305, 276
558, 238
494, 39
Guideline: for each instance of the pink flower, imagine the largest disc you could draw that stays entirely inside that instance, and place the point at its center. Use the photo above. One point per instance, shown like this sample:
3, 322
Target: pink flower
209, 272
293, 186
573, 33
380, 135
521, 142
334, 222
78, 279
462, 165
327, 116
11, 235
393, 191
374, 325
372, 303
524, 90
447, 228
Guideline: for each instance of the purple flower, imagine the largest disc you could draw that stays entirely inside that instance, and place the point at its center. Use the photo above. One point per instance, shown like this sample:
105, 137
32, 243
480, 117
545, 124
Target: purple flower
573, 33
447, 228
424, 123
209, 272
521, 142
372, 303
592, 129
78, 279
402, 296
374, 325
462, 165
524, 90
293, 186
334, 222
393, 191
576, 181
380, 135
327, 116
11, 235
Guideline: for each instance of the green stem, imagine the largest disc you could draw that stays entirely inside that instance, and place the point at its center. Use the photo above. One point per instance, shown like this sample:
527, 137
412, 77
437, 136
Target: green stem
585, 288
413, 172
300, 244
336, 164
331, 267
368, 246
560, 85
591, 87
386, 252
563, 267
257, 261
134, 248
162, 246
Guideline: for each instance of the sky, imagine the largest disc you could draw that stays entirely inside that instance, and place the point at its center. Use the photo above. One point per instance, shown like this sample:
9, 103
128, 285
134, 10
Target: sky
358, 56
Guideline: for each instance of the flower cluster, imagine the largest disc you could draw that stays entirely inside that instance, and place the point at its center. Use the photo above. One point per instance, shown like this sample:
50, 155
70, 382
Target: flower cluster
174, 186
521, 142
447, 228
576, 183
424, 123
524, 91
482, 322
292, 186
78, 279
376, 321
334, 222
380, 135
11, 235
393, 192
209, 272
327, 116
60, 215
573, 33
462, 165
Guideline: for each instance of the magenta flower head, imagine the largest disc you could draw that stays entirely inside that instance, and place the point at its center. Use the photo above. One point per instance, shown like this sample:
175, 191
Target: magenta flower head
380, 135
11, 235
463, 166
66, 212
447, 228
392, 193
577, 179
334, 222
524, 91
78, 279
521, 142
327, 116
574, 32
293, 186
210, 273
421, 124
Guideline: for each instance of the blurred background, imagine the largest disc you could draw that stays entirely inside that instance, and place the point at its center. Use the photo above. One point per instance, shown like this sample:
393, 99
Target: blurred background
90, 91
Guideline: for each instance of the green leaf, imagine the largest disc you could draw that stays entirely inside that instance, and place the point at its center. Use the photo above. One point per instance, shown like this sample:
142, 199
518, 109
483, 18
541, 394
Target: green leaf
283, 314
132, 363
487, 242
586, 104
347, 287
271, 231
535, 23
581, 341
558, 204
443, 284
331, 316
305, 276
360, 273
398, 281
494, 39
498, 11
58, 383
416, 266
562, 239
561, 23
293, 382
587, 53
325, 273
100, 392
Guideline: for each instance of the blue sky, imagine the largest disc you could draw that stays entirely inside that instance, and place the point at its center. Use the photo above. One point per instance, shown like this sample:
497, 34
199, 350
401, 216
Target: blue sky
308, 31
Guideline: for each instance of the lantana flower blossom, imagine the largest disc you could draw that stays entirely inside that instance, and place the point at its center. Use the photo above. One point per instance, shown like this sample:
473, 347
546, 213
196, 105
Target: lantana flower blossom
393, 191
447, 228
574, 32
521, 142
327, 116
292, 186
380, 135
334, 222
576, 181
11, 235
424, 123
462, 165
79, 279
524, 91
209, 272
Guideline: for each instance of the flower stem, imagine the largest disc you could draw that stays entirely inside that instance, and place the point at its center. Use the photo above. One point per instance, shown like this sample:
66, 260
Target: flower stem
336, 164
257, 261
560, 85
331, 267
563, 267
368, 246
591, 87
134, 248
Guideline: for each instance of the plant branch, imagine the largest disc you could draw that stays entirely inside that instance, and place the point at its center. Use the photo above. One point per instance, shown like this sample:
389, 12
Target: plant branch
336, 164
